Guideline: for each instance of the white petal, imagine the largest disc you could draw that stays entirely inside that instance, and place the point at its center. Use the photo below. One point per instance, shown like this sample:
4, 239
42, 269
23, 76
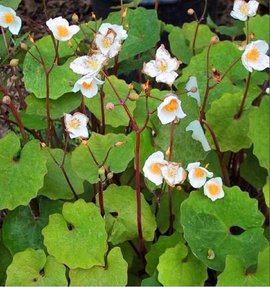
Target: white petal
252, 7
82, 132
173, 64
103, 29
89, 93
162, 53
261, 64
193, 165
196, 182
15, 27
217, 181
245, 62
82, 118
166, 77
150, 69
74, 29
238, 16
114, 49
76, 87
261, 45
198, 134
179, 112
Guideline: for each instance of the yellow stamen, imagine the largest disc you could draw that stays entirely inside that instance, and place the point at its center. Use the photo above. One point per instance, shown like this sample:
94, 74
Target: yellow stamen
74, 123
62, 31
9, 18
171, 106
213, 188
244, 8
155, 167
253, 54
87, 86
171, 171
163, 66
198, 172
92, 63
106, 42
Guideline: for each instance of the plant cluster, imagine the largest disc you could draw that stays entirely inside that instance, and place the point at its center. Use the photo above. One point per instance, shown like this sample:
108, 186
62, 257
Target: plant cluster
131, 161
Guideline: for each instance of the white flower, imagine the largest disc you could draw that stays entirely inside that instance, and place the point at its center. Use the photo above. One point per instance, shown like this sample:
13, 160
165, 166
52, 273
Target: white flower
8, 19
213, 188
192, 89
76, 125
108, 39
267, 90
88, 86
61, 29
152, 167
88, 65
198, 134
163, 67
254, 56
170, 109
173, 173
242, 9
197, 175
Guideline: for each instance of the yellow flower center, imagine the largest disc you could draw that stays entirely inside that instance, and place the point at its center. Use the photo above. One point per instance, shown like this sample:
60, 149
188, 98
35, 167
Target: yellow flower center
74, 123
171, 106
9, 18
244, 8
87, 86
93, 64
198, 172
171, 171
213, 188
106, 42
163, 66
155, 167
253, 54
62, 31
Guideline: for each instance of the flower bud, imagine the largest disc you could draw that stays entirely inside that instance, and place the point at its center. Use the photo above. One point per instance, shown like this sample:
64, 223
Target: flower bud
75, 18
133, 96
101, 171
14, 62
42, 144
124, 13
193, 90
24, 46
93, 15
84, 142
251, 36
214, 39
190, 11
110, 107
119, 143
110, 175
6, 100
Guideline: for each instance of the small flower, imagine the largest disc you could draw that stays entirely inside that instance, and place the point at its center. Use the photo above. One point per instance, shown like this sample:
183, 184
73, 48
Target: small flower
198, 134
88, 65
8, 19
61, 29
267, 90
197, 175
173, 173
163, 67
170, 109
254, 56
242, 9
108, 39
88, 86
76, 125
193, 90
213, 188
152, 167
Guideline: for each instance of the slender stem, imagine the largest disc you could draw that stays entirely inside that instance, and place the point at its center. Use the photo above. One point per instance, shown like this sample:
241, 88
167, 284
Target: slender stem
156, 4
138, 194
248, 33
65, 149
219, 153
100, 196
45, 8
48, 113
102, 126
172, 131
241, 109
5, 39
83, 108
207, 88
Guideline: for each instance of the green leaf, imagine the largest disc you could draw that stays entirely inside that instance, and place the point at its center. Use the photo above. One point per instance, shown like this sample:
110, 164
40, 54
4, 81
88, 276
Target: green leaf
203, 38
20, 179
3, 50
231, 132
179, 45
118, 116
259, 25
259, 132
266, 192
178, 267
5, 260
65, 104
113, 274
231, 225
158, 248
163, 216
143, 31
36, 122
32, 268
151, 281
77, 237
60, 77
55, 184
22, 229
106, 149
235, 273
121, 217
11, 3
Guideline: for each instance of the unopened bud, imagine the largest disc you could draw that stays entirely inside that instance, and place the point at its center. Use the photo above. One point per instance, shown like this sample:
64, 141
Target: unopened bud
101, 171
75, 18
84, 142
93, 15
190, 11
110, 107
211, 254
31, 39
6, 100
14, 62
42, 144
110, 175
193, 90
251, 36
126, 25
69, 43
120, 143
130, 86
23, 46
214, 39
133, 96
267, 90
124, 13
168, 152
